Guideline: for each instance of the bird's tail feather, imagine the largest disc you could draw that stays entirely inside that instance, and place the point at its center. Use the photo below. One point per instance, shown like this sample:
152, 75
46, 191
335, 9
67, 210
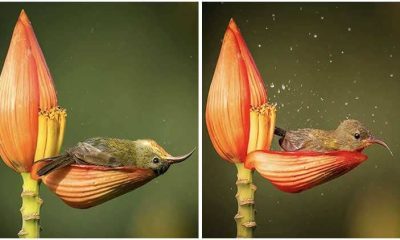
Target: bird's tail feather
279, 131
56, 163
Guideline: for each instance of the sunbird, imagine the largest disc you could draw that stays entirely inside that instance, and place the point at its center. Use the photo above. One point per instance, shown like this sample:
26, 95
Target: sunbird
350, 135
115, 153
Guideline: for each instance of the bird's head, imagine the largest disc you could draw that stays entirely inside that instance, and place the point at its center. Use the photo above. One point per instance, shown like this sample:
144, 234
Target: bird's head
355, 136
153, 156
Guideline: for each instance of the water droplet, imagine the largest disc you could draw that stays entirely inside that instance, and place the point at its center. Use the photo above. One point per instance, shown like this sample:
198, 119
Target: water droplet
373, 114
283, 86
376, 107
322, 99
291, 48
279, 91
390, 55
308, 107
322, 194
356, 98
322, 17
391, 75
282, 104
272, 85
315, 35
349, 29
266, 28
346, 103
259, 45
330, 61
342, 52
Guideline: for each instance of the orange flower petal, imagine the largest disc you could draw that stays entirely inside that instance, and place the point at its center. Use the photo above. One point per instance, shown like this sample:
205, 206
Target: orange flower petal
19, 103
25, 87
236, 86
48, 97
228, 103
257, 89
87, 186
298, 171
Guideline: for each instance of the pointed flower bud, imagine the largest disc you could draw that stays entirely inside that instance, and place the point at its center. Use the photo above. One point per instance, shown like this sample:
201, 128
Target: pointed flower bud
298, 171
26, 86
236, 86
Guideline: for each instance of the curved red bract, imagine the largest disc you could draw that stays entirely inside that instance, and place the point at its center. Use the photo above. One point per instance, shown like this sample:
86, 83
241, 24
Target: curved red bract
236, 86
26, 86
85, 186
298, 171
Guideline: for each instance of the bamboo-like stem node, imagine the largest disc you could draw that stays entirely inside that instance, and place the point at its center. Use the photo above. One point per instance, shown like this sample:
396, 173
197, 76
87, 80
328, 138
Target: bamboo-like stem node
245, 218
30, 209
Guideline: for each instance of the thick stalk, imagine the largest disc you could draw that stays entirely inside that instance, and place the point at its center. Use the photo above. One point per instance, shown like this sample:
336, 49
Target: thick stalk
245, 218
30, 209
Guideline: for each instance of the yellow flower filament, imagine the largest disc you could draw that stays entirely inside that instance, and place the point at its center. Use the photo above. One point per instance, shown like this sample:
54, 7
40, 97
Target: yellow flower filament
50, 133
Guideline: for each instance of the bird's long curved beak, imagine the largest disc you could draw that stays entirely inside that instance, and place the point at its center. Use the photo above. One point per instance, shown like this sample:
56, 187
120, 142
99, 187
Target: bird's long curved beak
373, 140
172, 160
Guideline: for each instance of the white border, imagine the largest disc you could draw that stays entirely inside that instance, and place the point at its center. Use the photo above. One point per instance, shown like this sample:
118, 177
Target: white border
200, 123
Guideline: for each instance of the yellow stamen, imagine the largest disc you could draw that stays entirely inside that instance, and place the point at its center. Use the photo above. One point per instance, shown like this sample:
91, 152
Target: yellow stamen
262, 128
50, 133
42, 136
262, 125
253, 130
271, 124
62, 121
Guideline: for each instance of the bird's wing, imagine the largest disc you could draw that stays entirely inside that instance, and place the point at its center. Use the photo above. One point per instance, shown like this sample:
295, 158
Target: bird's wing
295, 140
95, 156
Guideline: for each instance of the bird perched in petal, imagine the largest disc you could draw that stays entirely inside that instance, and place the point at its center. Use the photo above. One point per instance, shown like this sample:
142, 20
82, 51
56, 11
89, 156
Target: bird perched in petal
350, 135
99, 169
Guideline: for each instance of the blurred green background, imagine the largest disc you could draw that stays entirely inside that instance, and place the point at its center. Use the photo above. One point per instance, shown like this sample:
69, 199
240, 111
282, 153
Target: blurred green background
321, 62
126, 70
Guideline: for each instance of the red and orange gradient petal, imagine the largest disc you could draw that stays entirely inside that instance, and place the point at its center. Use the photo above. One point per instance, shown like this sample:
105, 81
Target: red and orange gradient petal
235, 87
25, 87
298, 171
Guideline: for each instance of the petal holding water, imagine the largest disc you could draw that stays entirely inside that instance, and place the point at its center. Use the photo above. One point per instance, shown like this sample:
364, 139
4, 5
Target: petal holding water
298, 171
85, 186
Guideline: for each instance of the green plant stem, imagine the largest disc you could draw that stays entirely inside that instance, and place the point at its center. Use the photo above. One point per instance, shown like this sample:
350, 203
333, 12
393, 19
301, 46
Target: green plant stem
30, 210
245, 218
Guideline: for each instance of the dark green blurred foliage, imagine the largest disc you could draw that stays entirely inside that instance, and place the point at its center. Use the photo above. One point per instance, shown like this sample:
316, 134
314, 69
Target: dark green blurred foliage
335, 60
125, 70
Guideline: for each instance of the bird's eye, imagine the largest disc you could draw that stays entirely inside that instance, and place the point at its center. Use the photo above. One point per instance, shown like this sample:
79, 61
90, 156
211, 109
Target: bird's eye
156, 160
357, 136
